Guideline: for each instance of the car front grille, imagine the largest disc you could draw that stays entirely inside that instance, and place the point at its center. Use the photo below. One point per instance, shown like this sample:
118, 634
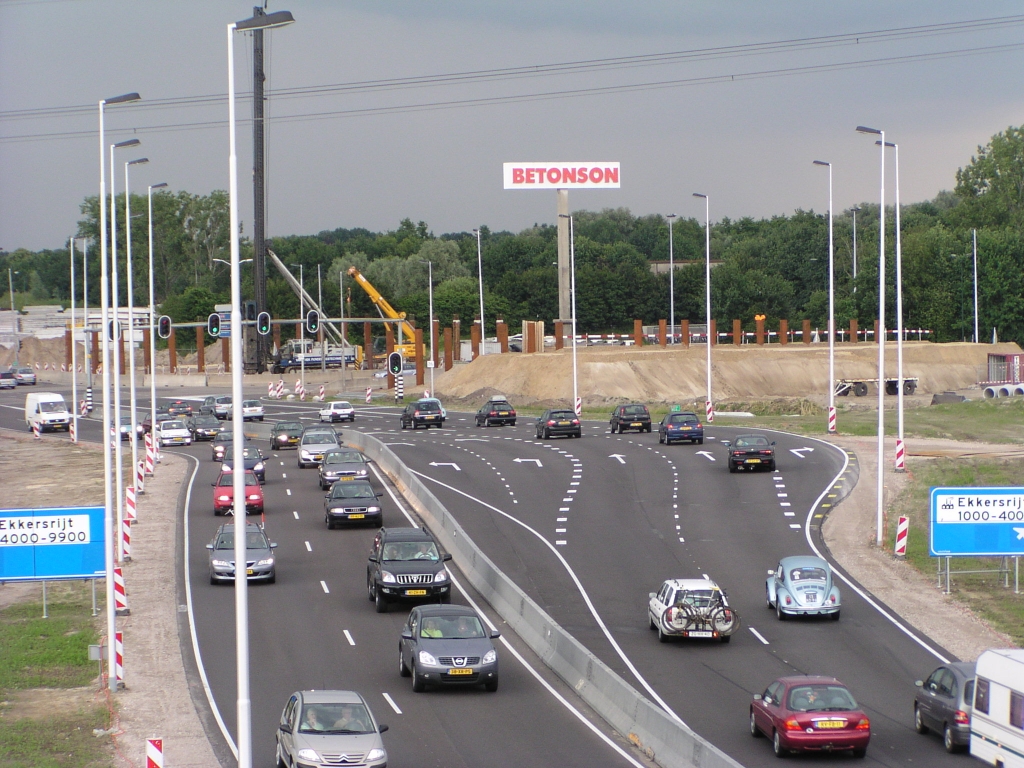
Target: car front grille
342, 758
415, 578
458, 661
351, 510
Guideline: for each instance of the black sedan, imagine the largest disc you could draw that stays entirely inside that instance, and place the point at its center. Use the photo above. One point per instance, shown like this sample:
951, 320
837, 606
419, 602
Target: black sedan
252, 460
204, 427
681, 425
558, 422
496, 411
632, 416
179, 408
751, 452
352, 502
422, 413
285, 434
447, 645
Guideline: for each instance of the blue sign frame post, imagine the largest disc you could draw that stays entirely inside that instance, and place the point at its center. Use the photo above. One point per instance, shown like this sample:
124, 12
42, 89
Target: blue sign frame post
978, 522
52, 543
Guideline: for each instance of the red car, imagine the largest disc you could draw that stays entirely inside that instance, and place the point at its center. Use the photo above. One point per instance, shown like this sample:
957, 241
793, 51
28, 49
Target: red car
810, 714
224, 494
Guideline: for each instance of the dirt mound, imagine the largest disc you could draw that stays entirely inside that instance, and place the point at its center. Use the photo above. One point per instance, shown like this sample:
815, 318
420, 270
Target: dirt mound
675, 375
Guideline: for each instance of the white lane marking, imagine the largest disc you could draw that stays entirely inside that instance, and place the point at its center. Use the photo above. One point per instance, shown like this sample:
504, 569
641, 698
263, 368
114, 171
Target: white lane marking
568, 499
563, 509
571, 490
682, 541
348, 636
758, 635
780, 485
284, 475
620, 457
308, 547
560, 530
789, 514
785, 504
795, 525
324, 585
799, 452
561, 542
706, 454
525, 461
573, 483
782, 495
561, 519
288, 491
388, 699
282, 463
579, 586
446, 464
295, 512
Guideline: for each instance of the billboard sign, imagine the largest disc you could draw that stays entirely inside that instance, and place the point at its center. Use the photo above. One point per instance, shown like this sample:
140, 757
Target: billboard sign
52, 543
977, 521
576, 175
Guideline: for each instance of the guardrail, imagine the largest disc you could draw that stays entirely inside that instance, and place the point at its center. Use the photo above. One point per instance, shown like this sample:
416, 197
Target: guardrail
667, 741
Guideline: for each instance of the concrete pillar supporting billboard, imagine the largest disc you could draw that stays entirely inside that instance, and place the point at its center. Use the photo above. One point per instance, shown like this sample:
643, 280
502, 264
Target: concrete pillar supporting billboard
420, 367
172, 351
759, 329
529, 337
389, 347
201, 349
663, 333
277, 337
564, 274
456, 339
147, 362
449, 360
540, 335
807, 332
684, 332
853, 330
225, 353
638, 332
502, 330
368, 344
737, 332
435, 350
474, 338
559, 334
69, 341
94, 358
121, 342
878, 333
713, 333
783, 331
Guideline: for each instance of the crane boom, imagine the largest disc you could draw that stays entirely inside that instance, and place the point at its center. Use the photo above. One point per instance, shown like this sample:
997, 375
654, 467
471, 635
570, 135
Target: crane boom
385, 309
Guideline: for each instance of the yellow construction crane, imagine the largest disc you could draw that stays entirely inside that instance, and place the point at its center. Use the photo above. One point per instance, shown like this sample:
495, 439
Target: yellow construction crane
408, 345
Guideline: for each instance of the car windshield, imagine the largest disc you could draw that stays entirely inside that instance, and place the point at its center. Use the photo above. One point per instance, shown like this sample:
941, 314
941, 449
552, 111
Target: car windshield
223, 437
410, 550
344, 457
820, 698
682, 418
808, 573
126, 420
335, 718
288, 426
562, 415
51, 407
253, 540
635, 410
451, 627
319, 438
361, 490
226, 480
752, 441
24, 370
167, 426
223, 400
207, 421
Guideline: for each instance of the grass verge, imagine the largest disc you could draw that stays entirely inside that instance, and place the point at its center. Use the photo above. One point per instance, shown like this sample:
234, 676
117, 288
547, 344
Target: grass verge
62, 740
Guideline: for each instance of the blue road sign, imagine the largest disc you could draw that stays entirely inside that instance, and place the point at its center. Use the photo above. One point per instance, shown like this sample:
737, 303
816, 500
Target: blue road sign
977, 521
225, 325
52, 543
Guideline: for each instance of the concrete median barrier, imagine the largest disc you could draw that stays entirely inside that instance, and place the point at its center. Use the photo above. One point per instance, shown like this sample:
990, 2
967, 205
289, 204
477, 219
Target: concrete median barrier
664, 739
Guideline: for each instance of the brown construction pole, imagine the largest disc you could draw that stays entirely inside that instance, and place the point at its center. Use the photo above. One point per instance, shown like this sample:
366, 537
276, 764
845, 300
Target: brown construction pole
201, 349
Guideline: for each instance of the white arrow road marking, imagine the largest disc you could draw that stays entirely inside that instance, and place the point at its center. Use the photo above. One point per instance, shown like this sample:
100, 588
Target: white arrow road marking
524, 461
619, 456
1020, 533
706, 454
446, 464
800, 451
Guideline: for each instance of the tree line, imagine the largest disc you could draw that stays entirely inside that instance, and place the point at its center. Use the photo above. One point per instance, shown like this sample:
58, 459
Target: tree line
777, 267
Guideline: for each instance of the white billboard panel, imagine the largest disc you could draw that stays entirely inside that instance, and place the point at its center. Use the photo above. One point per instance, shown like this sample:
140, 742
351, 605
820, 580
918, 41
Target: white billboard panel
577, 175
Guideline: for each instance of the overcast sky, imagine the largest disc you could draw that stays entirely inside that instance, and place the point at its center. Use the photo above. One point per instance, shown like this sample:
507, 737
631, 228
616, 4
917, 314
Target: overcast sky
351, 159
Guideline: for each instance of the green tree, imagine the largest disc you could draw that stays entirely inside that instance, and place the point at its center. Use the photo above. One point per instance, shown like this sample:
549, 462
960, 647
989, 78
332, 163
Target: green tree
991, 186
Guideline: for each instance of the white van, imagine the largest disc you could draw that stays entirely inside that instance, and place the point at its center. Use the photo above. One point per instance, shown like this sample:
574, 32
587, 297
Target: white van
997, 721
48, 410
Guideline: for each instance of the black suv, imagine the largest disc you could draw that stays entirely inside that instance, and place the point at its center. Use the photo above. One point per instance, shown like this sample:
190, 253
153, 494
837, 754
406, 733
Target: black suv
406, 563
496, 411
632, 416
558, 422
426, 413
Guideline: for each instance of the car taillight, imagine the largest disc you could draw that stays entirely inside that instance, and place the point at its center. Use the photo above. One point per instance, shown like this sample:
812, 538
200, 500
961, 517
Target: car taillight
792, 725
551, 423
737, 453
961, 717
576, 422
864, 724
493, 413
766, 453
789, 600
832, 599
416, 413
511, 413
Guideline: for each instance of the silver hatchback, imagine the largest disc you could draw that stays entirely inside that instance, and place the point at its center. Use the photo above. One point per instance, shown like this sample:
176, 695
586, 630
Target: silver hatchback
321, 728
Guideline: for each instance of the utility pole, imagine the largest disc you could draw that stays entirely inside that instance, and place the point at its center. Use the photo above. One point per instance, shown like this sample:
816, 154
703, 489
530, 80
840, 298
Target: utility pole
259, 262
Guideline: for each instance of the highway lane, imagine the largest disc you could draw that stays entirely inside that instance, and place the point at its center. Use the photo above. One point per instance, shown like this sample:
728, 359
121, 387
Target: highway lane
621, 541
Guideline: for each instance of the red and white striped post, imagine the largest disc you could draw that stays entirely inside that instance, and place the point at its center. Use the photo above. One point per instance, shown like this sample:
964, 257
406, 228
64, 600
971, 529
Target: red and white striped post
113, 438
35, 430
154, 753
119, 658
901, 464
831, 419
280, 388
426, 393
579, 406
120, 595
140, 476
73, 429
149, 454
323, 392
709, 411
902, 529
270, 389
126, 540
129, 504
83, 407
369, 391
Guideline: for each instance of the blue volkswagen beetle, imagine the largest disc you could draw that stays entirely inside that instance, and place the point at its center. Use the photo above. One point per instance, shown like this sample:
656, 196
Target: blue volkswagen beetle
802, 586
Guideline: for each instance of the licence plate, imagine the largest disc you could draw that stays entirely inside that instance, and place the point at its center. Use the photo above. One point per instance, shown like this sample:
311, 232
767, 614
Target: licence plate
686, 429
811, 597
563, 423
360, 516
344, 479
430, 417
699, 633
413, 592
636, 424
460, 671
753, 461
831, 723
249, 572
503, 413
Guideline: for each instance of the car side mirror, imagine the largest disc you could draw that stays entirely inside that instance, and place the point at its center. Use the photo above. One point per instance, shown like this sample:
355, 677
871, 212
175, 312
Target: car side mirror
918, 683
446, 557
406, 635
381, 728
273, 545
213, 484
757, 697
726, 443
372, 558
773, 442
285, 728
495, 633
379, 495
209, 546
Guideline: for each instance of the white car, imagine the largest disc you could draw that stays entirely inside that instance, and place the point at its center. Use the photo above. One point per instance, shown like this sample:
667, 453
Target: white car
173, 432
252, 410
444, 413
338, 410
696, 608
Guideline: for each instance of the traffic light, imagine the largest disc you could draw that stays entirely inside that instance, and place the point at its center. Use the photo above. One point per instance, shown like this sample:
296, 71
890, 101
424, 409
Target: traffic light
113, 330
250, 311
213, 324
263, 323
164, 327
312, 321
395, 363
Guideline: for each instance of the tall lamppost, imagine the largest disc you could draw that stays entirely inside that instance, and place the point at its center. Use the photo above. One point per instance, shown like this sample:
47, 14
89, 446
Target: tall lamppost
152, 314
577, 403
74, 351
14, 317
108, 491
131, 314
855, 209
430, 294
831, 310
974, 236
480, 275
709, 405
899, 313
302, 322
244, 704
115, 303
671, 282
880, 338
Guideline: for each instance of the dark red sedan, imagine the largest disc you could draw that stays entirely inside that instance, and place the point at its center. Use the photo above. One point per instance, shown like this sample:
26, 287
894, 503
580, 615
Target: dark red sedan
810, 714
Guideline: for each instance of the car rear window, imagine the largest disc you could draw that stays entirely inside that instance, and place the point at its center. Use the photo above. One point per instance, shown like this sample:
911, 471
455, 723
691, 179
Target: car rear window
808, 573
427, 406
751, 442
562, 415
820, 698
682, 418
635, 410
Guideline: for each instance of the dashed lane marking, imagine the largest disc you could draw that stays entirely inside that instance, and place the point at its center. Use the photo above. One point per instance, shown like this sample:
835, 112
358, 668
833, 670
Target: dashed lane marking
348, 636
308, 547
324, 585
391, 701
758, 635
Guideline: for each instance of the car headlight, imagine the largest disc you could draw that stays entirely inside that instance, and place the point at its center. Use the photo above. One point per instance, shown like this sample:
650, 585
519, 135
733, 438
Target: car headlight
266, 561
387, 577
258, 467
223, 498
441, 575
373, 510
306, 454
426, 658
308, 754
362, 472
222, 563
375, 754
490, 657
282, 438
254, 497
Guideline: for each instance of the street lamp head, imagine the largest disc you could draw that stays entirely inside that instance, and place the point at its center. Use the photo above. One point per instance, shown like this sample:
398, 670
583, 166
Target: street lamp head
268, 21
888, 144
140, 161
158, 186
855, 208
670, 215
865, 129
127, 143
564, 216
122, 99
821, 162
698, 194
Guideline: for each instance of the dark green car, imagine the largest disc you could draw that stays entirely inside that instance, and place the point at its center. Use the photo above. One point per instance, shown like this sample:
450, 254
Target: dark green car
285, 434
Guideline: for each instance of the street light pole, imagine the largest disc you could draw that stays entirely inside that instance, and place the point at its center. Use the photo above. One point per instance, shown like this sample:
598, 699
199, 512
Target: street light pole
131, 317
74, 355
480, 275
14, 316
430, 295
709, 406
671, 282
899, 314
855, 209
974, 236
880, 340
323, 336
577, 404
302, 323
831, 310
152, 317
108, 491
